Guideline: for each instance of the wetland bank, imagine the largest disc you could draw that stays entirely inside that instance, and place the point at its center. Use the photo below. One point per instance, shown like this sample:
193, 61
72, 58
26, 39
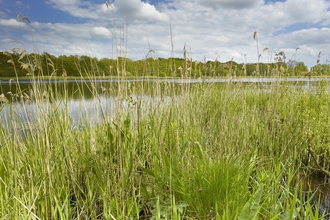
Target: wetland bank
79, 140
76, 145
165, 150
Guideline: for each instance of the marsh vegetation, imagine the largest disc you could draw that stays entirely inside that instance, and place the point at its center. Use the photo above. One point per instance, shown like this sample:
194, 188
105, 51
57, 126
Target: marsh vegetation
202, 150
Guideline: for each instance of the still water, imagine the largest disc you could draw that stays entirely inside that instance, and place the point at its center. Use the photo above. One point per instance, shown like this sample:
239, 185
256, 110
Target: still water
81, 99
92, 98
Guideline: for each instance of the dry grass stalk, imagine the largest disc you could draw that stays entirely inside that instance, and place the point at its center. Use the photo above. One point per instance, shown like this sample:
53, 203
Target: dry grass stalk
108, 4
319, 58
19, 18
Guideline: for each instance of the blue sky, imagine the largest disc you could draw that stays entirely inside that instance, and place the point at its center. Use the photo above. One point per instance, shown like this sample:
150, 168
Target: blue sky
211, 29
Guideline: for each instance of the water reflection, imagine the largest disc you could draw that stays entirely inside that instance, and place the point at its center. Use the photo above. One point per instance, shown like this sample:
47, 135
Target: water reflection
317, 185
78, 110
174, 80
78, 88
88, 98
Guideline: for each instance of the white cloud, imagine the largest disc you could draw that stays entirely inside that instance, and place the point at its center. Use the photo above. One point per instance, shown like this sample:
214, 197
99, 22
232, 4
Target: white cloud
310, 41
312, 36
76, 8
12, 23
282, 14
217, 31
134, 10
228, 4
67, 32
100, 32
138, 10
212, 29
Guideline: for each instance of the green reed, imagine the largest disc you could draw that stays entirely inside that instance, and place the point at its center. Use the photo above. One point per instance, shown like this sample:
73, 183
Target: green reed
199, 151
221, 151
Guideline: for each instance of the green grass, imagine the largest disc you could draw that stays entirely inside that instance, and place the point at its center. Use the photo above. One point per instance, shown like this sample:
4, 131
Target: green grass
216, 151
200, 151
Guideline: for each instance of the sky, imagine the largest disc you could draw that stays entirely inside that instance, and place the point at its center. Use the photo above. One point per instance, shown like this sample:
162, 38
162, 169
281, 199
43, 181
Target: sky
220, 30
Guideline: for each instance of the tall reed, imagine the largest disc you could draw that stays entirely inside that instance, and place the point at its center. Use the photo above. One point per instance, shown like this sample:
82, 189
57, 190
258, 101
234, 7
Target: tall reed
163, 150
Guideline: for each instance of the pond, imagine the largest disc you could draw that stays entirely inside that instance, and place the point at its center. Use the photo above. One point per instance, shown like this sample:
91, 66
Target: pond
93, 97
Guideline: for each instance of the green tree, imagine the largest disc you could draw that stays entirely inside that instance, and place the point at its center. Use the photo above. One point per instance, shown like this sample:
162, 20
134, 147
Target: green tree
107, 66
69, 65
321, 70
296, 68
10, 65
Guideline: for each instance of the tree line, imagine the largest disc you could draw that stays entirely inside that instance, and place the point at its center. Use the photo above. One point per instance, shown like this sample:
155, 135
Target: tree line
23, 64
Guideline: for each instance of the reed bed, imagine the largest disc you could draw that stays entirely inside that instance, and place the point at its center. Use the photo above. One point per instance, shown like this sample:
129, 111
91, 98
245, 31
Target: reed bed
201, 151
197, 151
